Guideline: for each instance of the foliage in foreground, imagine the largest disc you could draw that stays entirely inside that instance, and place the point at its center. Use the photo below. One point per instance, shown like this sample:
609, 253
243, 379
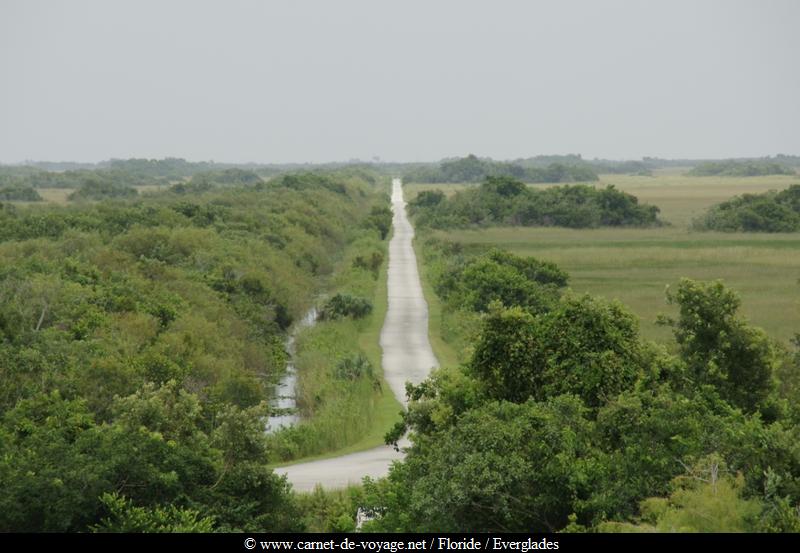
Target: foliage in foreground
120, 406
564, 419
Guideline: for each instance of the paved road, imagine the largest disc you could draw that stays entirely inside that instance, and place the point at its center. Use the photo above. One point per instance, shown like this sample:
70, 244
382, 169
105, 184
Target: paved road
407, 356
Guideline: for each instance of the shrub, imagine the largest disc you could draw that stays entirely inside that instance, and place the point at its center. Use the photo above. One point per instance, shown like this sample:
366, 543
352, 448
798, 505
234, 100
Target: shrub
734, 168
19, 194
99, 189
507, 201
345, 305
475, 169
768, 212
371, 262
353, 368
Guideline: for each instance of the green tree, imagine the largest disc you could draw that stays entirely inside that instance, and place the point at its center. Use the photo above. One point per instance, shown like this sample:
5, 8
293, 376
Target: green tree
124, 517
380, 218
500, 467
719, 347
509, 358
585, 347
707, 499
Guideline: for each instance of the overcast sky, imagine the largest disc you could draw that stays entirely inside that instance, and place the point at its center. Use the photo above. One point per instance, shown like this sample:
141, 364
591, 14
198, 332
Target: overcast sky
295, 80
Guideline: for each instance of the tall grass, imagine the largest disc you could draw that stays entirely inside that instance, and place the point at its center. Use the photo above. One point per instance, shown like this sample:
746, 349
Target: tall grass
338, 415
636, 265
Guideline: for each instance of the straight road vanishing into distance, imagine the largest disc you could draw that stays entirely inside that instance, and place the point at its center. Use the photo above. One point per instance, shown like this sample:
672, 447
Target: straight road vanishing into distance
407, 356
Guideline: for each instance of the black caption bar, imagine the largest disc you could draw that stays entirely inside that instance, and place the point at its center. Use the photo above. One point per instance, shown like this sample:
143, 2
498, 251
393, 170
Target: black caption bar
393, 543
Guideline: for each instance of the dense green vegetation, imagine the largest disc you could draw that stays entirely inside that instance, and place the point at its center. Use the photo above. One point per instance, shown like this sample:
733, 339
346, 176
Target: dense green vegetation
78, 178
94, 188
560, 416
736, 168
345, 305
564, 418
19, 194
508, 201
121, 406
127, 172
474, 169
768, 212
634, 265
340, 395
169, 168
225, 177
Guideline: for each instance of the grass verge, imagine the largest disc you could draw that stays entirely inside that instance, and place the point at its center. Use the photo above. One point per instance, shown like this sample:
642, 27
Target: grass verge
341, 416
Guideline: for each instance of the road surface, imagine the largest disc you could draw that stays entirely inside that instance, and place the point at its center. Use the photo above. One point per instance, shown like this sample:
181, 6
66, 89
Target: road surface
407, 356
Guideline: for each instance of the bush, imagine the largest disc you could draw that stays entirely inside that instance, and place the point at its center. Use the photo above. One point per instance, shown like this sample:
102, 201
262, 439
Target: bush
100, 189
19, 194
768, 212
734, 168
353, 368
473, 284
371, 262
380, 218
345, 305
475, 169
507, 201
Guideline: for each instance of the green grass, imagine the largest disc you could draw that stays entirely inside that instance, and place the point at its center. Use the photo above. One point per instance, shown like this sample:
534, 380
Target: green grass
54, 195
349, 418
682, 198
445, 353
636, 265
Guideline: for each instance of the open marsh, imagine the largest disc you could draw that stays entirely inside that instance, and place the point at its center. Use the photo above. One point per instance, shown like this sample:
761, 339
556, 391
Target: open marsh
636, 265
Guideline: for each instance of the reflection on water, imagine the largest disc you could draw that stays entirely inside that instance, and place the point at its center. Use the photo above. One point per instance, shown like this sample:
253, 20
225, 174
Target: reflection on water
283, 396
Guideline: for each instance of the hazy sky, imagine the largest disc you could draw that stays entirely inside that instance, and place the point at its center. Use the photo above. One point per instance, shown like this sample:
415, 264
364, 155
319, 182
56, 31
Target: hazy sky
295, 80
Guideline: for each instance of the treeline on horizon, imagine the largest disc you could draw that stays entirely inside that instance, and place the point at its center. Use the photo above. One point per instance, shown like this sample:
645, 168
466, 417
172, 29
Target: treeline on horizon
174, 169
100, 184
508, 201
119, 178
139, 339
474, 169
734, 168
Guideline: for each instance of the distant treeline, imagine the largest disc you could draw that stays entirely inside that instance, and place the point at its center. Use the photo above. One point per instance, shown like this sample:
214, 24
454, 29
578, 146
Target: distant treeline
734, 168
98, 184
768, 212
507, 201
573, 168
74, 179
120, 178
541, 168
474, 169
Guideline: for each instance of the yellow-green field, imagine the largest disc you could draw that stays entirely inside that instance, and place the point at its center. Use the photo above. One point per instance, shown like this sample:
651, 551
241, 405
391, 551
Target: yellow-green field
636, 265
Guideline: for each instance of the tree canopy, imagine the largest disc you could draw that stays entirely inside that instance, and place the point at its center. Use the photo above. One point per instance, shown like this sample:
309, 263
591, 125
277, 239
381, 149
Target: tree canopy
768, 212
565, 419
121, 409
474, 169
507, 201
